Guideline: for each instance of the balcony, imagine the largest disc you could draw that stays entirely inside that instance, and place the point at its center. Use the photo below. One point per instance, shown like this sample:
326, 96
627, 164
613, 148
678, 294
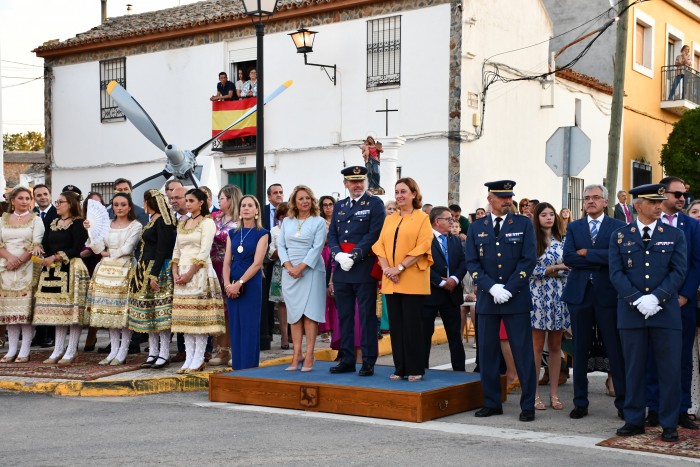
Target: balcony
680, 89
239, 139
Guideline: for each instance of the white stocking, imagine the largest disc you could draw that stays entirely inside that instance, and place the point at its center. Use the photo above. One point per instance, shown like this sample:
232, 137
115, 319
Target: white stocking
73, 341
189, 350
113, 343
164, 344
59, 341
200, 345
124, 347
13, 331
152, 344
27, 336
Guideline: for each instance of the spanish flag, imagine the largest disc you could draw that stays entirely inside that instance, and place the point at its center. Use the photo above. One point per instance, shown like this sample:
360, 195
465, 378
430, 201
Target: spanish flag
224, 113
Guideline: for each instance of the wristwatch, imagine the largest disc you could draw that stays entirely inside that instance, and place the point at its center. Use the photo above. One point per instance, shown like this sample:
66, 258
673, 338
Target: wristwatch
400, 267
241, 281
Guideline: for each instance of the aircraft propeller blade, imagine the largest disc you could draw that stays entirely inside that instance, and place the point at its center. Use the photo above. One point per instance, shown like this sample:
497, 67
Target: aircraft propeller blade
136, 114
154, 182
282, 87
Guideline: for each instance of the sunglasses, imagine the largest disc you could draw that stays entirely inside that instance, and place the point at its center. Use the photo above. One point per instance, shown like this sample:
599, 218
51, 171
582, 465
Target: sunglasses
678, 194
327, 205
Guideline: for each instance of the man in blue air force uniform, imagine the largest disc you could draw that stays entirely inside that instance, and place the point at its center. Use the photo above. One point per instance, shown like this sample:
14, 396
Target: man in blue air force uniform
648, 267
501, 256
355, 226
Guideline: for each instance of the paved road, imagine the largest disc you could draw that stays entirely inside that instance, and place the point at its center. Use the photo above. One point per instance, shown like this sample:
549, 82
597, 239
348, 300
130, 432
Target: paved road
185, 428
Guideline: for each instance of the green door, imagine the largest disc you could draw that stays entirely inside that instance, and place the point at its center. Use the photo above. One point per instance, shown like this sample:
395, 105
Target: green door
243, 180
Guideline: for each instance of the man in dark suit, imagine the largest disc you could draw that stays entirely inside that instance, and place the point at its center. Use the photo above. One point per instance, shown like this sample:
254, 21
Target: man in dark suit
446, 273
275, 195
591, 297
501, 255
122, 185
46, 209
355, 226
672, 214
648, 266
624, 211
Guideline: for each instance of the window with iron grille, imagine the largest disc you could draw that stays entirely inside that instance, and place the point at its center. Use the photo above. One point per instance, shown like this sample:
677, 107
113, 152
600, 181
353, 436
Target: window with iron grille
106, 189
111, 70
641, 173
575, 203
384, 52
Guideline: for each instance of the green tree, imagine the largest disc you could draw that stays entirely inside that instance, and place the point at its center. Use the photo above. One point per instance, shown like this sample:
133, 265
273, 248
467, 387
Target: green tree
680, 156
29, 141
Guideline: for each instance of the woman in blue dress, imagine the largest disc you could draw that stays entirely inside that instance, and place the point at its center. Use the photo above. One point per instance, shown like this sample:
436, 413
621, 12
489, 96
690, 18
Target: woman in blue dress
549, 315
245, 249
299, 246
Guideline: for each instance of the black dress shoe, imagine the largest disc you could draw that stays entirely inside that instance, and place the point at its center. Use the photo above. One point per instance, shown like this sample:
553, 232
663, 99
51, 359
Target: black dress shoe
89, 348
343, 367
685, 422
527, 416
579, 412
367, 369
620, 414
670, 435
652, 419
488, 411
629, 429
106, 349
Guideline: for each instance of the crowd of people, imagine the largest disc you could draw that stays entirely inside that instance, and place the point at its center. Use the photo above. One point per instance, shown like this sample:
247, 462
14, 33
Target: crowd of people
624, 288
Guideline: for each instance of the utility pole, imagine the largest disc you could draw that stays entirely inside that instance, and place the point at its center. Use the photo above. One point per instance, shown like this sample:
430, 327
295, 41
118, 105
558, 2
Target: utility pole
2, 149
615, 133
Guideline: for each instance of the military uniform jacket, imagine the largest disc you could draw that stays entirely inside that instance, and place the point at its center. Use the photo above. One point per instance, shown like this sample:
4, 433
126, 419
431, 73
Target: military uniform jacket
507, 259
359, 225
658, 268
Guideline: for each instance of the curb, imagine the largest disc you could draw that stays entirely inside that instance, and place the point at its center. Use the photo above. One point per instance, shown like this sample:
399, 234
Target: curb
162, 384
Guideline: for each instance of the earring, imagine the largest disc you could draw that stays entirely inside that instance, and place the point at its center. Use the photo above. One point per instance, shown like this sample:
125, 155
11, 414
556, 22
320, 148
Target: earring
257, 217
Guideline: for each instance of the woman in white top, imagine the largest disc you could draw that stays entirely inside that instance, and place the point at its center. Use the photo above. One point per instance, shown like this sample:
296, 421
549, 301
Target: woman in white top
21, 232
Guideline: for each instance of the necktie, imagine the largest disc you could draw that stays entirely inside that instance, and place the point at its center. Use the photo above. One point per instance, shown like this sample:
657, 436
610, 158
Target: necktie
497, 227
646, 237
273, 213
669, 219
443, 243
594, 229
352, 203
43, 214
628, 217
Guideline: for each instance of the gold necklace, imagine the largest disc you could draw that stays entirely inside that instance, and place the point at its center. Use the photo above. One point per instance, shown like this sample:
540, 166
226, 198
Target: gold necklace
299, 225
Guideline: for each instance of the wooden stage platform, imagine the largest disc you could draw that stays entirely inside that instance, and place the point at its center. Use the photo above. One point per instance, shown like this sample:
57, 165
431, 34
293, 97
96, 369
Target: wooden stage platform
441, 393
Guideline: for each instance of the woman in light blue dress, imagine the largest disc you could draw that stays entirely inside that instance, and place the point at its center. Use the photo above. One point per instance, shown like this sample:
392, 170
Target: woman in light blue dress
549, 315
299, 246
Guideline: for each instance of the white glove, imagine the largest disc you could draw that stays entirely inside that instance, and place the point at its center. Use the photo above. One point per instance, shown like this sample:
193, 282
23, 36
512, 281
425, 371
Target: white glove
652, 313
647, 304
346, 264
500, 294
339, 257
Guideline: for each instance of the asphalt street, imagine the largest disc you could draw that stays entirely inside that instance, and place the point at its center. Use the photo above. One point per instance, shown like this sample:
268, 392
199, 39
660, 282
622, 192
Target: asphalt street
185, 429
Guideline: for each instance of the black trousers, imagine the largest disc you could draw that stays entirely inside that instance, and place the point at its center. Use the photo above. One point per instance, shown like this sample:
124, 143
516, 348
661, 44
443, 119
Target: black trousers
452, 321
406, 332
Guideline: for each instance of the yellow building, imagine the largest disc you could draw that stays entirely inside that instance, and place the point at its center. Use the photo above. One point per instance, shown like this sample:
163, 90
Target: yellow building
657, 92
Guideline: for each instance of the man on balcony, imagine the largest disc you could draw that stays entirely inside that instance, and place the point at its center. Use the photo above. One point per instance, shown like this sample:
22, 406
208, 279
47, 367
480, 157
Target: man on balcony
225, 89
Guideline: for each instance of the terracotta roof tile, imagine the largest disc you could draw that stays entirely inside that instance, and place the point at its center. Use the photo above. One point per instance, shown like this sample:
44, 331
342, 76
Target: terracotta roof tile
576, 77
170, 19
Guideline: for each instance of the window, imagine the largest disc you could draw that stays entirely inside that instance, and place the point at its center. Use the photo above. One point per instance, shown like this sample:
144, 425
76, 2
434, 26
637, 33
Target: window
111, 70
384, 52
643, 43
575, 203
106, 189
641, 173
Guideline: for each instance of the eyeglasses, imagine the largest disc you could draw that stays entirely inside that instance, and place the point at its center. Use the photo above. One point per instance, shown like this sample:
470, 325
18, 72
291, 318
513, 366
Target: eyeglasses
448, 219
327, 205
593, 198
678, 194
59, 202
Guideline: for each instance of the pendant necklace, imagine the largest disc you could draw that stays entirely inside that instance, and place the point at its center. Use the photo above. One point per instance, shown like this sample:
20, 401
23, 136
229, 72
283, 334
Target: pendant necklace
299, 224
240, 245
21, 215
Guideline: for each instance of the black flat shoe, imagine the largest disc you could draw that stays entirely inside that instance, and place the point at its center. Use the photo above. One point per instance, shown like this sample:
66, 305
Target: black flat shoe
366, 370
149, 361
629, 429
685, 422
488, 411
578, 412
160, 363
343, 368
670, 435
527, 416
652, 419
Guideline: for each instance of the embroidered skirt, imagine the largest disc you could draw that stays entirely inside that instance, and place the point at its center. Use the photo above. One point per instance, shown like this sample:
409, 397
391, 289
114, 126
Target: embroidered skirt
61, 294
108, 294
17, 292
198, 306
151, 311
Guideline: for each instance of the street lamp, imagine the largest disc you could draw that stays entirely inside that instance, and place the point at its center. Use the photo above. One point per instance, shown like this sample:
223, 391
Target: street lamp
304, 42
257, 10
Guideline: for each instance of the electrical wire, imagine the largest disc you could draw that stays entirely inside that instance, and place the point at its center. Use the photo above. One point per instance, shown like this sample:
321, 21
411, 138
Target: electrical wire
25, 82
20, 63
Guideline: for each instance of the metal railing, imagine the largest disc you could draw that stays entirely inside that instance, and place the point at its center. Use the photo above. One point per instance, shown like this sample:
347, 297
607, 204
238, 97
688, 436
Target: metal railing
680, 83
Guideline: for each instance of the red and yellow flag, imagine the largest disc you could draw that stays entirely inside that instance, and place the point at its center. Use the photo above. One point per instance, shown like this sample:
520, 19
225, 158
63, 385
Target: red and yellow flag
224, 113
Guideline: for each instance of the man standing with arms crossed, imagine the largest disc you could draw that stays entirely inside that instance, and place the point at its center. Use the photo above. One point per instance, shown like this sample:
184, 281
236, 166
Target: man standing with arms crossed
355, 226
501, 256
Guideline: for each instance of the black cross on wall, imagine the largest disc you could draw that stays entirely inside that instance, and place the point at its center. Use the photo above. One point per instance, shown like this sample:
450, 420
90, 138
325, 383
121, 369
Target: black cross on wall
386, 111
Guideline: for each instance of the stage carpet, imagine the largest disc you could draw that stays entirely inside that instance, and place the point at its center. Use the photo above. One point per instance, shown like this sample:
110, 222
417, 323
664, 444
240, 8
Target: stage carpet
441, 393
688, 444
85, 367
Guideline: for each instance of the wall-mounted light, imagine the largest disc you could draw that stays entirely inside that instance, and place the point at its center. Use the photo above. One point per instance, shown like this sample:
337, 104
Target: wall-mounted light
304, 42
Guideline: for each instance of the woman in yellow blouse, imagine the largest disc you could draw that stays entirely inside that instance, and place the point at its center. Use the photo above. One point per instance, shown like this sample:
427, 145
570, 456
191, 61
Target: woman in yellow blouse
404, 253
